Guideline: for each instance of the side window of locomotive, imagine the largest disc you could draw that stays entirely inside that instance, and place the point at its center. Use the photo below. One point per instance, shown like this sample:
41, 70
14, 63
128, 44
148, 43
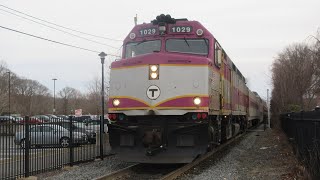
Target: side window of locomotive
217, 55
190, 46
138, 48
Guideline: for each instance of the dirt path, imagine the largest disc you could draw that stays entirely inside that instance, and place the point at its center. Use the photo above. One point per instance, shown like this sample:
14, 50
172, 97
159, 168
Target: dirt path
260, 155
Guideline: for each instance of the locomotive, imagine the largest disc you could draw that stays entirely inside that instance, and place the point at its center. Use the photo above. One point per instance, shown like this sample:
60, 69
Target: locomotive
176, 94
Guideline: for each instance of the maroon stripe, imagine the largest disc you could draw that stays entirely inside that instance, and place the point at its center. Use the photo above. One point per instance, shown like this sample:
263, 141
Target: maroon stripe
161, 58
184, 102
127, 103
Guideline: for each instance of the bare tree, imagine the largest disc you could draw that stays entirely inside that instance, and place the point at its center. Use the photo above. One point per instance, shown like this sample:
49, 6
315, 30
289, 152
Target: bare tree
68, 96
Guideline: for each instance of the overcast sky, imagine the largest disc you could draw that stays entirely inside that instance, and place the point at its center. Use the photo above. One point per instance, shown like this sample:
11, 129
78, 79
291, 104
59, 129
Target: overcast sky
252, 33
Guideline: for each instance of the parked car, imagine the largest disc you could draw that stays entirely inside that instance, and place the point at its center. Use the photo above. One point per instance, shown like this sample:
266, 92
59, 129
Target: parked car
42, 117
53, 117
48, 135
6, 119
63, 117
94, 125
75, 127
32, 120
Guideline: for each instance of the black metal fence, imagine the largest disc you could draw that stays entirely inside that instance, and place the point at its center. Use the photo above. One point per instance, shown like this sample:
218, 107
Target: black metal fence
33, 145
303, 128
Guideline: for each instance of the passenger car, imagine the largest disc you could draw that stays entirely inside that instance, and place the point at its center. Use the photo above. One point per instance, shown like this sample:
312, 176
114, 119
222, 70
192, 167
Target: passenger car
49, 135
77, 127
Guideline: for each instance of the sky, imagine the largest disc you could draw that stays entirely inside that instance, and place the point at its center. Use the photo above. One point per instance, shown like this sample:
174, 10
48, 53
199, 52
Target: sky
251, 32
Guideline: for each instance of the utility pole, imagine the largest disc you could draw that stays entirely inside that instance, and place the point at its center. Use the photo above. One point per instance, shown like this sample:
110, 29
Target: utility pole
268, 106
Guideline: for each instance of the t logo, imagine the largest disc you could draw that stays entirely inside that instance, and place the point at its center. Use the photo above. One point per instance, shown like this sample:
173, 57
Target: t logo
153, 92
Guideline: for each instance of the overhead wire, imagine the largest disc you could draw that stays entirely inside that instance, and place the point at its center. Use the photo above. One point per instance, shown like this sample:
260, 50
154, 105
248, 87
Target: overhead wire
53, 41
74, 35
81, 32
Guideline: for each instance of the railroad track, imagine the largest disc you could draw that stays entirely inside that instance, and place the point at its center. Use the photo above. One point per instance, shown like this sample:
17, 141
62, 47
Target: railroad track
172, 172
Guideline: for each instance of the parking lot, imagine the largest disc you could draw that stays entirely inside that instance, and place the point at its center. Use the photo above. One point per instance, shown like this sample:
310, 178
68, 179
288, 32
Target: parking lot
12, 157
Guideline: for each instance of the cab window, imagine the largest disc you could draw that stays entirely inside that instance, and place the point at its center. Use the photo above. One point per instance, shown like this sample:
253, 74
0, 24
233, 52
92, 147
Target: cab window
190, 46
139, 48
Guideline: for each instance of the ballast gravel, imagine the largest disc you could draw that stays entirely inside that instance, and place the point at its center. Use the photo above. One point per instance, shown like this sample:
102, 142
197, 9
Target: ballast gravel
258, 155
86, 171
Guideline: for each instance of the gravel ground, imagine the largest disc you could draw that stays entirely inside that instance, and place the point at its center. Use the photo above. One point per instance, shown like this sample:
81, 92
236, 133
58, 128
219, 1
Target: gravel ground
89, 170
258, 155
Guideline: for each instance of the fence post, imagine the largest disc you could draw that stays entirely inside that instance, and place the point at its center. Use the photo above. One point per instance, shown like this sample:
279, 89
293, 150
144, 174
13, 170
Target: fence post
71, 149
27, 146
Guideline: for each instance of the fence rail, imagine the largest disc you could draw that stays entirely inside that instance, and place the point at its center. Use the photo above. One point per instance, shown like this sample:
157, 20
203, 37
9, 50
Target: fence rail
29, 146
303, 128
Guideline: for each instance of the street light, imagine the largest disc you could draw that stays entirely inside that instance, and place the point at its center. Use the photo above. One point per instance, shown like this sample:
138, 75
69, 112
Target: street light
54, 95
9, 92
102, 57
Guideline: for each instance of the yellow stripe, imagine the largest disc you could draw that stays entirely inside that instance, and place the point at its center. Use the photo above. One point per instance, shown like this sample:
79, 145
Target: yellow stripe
181, 108
177, 97
127, 67
166, 108
184, 65
131, 108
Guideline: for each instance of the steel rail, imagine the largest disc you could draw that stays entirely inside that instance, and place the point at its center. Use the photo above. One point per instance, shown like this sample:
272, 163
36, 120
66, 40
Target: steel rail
178, 172
118, 174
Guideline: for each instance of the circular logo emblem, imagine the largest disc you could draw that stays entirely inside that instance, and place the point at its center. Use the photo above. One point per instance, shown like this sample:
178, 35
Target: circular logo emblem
153, 92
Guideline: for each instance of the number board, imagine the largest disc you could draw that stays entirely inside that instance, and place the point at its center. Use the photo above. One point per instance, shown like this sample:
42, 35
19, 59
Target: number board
181, 29
148, 31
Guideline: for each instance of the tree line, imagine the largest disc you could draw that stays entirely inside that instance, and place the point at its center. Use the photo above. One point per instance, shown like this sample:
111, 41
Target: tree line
30, 97
296, 77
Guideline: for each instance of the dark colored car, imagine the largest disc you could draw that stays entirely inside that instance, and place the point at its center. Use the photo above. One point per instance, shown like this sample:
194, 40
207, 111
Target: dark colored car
7, 119
91, 135
32, 120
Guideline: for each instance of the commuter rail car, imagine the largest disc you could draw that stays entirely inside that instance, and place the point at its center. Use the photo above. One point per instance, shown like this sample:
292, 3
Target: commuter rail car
176, 94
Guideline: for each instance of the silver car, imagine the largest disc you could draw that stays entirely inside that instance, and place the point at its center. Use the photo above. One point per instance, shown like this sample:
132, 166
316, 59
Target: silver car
48, 135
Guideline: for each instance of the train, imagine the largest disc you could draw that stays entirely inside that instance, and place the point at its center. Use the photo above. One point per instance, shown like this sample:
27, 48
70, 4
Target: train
175, 94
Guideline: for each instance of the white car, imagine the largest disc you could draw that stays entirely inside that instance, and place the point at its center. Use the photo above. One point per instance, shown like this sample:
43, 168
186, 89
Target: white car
94, 126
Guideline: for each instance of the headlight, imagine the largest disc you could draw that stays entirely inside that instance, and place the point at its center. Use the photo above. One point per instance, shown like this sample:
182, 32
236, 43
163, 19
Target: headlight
154, 75
197, 101
154, 68
153, 72
116, 102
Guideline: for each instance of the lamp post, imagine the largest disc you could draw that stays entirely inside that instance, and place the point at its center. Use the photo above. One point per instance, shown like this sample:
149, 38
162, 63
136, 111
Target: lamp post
102, 57
9, 73
54, 95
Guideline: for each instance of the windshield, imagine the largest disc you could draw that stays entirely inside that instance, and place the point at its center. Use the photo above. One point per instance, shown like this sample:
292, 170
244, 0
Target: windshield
138, 48
191, 46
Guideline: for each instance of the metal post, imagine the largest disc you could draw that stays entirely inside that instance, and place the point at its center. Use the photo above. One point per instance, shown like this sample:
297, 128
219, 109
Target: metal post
54, 95
268, 106
71, 149
27, 147
102, 57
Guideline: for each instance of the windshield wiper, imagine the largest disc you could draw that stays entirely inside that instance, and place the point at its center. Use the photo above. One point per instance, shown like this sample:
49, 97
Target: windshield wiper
205, 40
140, 42
185, 40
